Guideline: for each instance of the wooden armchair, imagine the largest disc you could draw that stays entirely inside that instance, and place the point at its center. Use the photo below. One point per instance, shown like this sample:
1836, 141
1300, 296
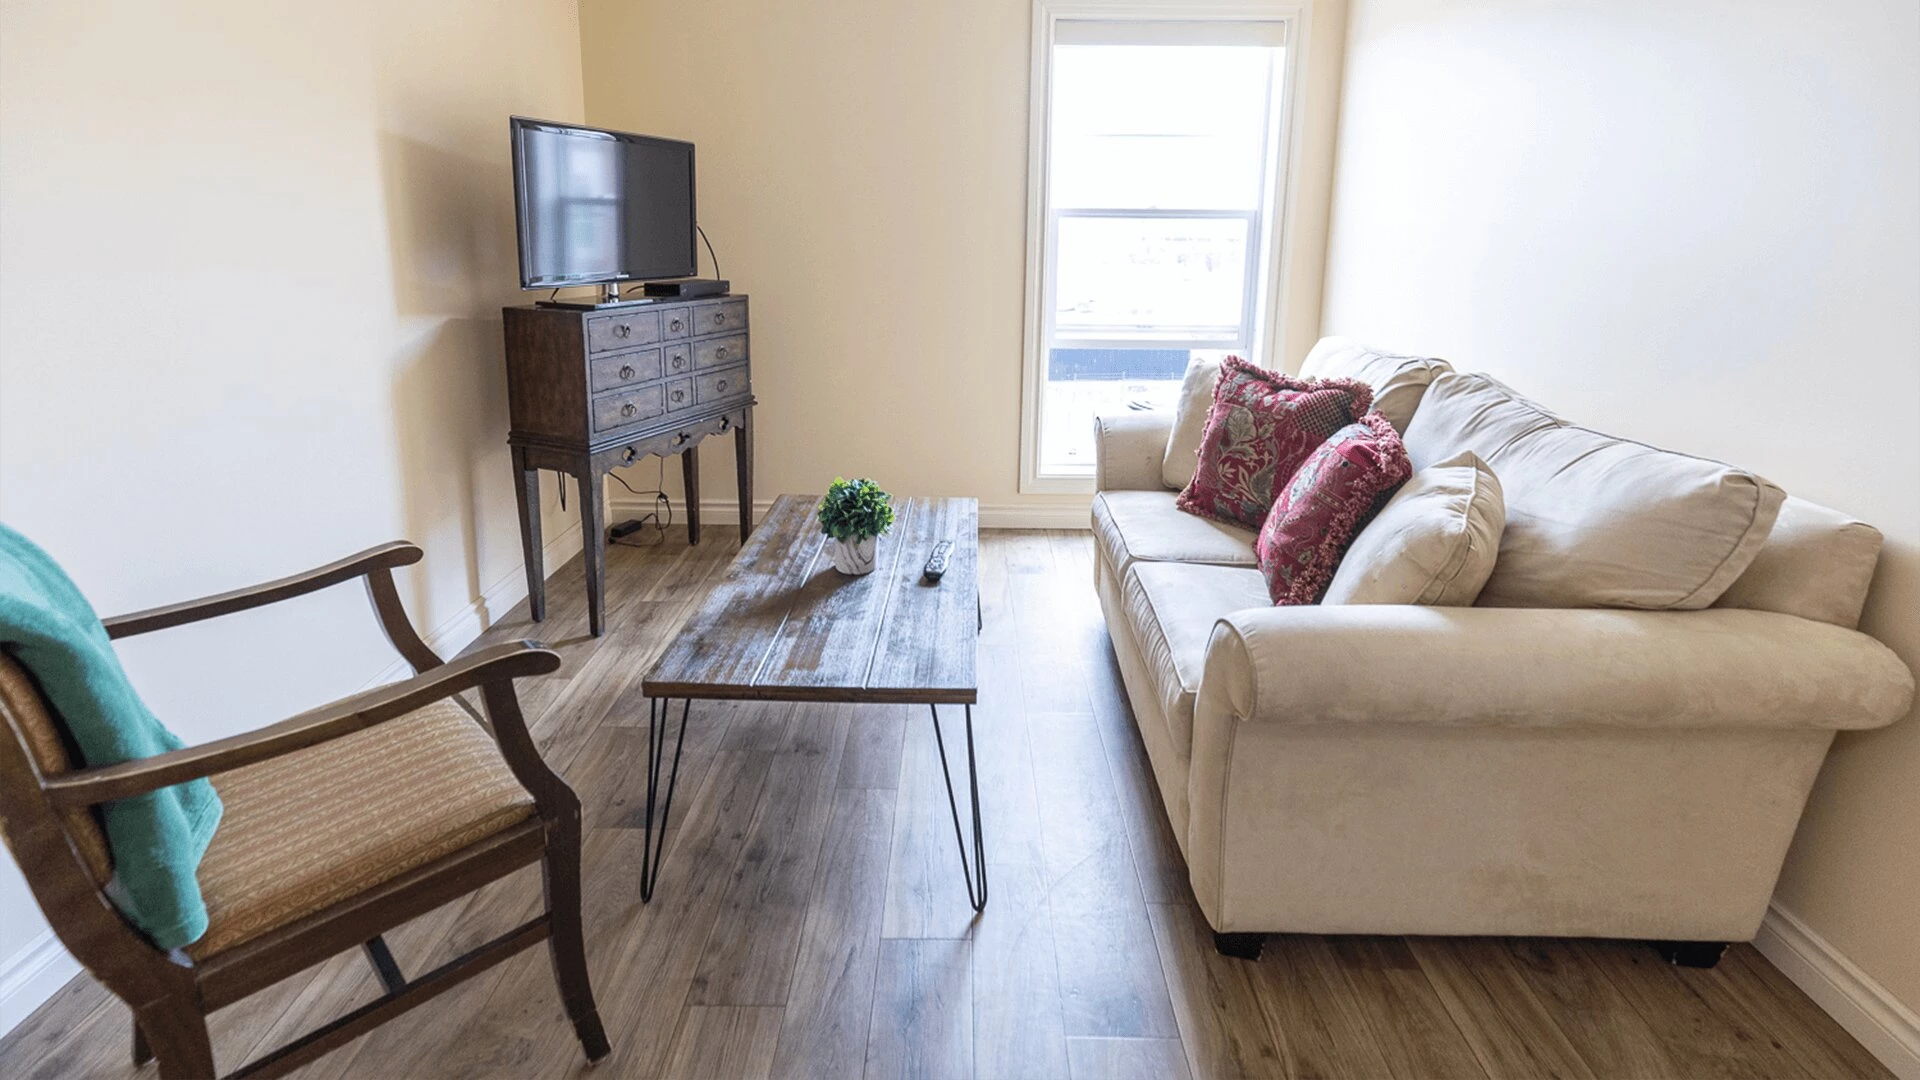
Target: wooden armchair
297, 872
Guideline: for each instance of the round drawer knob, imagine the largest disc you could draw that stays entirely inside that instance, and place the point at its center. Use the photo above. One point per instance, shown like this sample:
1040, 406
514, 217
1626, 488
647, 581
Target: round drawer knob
720, 353
674, 325
629, 454
621, 330
719, 318
628, 409
720, 386
679, 395
626, 371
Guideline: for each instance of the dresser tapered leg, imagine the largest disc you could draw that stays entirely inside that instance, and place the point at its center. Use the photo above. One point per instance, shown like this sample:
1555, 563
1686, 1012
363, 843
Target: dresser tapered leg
593, 544
526, 491
743, 467
690, 481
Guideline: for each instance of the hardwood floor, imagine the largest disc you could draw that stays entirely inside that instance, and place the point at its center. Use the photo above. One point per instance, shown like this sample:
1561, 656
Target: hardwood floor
810, 919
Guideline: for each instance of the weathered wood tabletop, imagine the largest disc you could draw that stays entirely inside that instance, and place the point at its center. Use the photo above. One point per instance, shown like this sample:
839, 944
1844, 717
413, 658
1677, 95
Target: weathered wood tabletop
784, 625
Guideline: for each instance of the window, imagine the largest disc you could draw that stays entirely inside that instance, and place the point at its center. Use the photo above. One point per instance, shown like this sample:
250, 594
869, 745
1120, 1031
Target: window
1157, 161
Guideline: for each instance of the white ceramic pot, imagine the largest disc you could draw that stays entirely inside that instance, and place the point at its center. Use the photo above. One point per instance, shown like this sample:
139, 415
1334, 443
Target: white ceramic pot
852, 557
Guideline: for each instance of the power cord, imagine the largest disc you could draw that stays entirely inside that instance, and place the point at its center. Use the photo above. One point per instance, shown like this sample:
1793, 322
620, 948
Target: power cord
654, 524
711, 257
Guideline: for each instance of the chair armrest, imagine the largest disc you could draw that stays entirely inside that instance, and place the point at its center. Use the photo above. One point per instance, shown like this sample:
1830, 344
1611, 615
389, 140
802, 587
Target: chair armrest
376, 565
489, 668
1536, 667
1128, 450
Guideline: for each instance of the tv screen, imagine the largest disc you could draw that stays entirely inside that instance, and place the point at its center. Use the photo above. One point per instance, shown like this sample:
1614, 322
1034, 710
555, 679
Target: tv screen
598, 206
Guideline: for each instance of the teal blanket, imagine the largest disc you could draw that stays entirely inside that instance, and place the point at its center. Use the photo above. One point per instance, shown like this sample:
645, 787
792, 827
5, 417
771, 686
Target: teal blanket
156, 839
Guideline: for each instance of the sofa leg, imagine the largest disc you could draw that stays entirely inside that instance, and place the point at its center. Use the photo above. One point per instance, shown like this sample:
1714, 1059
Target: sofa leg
1693, 954
1240, 946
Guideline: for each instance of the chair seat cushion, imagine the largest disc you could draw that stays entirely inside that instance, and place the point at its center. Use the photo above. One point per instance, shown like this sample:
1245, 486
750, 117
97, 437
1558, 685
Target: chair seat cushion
1145, 526
313, 828
1171, 608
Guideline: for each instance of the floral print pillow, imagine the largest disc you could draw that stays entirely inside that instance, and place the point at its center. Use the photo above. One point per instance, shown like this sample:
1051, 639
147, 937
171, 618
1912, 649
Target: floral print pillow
1336, 491
1263, 424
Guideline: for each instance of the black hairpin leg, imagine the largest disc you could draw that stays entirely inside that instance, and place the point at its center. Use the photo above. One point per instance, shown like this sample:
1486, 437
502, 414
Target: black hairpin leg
653, 844
977, 865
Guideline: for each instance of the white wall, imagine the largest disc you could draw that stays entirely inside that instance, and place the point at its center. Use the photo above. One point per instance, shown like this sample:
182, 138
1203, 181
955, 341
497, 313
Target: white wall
251, 263
1696, 224
863, 175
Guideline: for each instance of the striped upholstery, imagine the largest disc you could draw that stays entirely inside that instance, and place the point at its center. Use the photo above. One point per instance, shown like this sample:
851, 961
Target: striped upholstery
310, 829
47, 745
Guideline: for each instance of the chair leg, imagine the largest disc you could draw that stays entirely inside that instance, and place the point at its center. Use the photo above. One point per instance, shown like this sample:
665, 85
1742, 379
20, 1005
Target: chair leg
142, 1053
566, 944
177, 1034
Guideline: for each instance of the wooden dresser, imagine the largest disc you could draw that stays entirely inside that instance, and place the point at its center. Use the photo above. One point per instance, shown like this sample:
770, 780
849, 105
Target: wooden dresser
589, 391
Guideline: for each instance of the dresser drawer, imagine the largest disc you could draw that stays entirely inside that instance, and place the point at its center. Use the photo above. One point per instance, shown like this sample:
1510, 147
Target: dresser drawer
677, 322
720, 316
608, 372
712, 386
720, 351
679, 359
679, 394
606, 333
627, 407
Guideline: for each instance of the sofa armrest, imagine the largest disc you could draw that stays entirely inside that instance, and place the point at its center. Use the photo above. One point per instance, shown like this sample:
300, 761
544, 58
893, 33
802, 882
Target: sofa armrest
1536, 667
1128, 450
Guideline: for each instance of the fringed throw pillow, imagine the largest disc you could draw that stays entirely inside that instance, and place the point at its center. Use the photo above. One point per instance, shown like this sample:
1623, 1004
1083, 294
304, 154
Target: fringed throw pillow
1263, 424
1317, 514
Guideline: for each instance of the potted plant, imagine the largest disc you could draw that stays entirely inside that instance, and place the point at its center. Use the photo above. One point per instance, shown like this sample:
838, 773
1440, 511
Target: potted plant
853, 515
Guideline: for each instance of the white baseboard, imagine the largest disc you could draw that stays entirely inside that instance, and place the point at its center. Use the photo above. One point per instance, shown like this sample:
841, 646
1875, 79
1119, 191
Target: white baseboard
992, 515
31, 976
457, 632
1888, 1029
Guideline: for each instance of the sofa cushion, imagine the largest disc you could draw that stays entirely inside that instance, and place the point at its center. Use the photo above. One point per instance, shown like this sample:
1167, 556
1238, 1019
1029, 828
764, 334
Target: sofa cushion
318, 826
1262, 425
1398, 382
1189, 420
1594, 520
1331, 497
1816, 563
1145, 526
1433, 543
1171, 608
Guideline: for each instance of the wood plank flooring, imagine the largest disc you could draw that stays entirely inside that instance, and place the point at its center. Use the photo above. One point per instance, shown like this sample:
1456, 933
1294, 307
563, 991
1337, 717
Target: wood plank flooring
810, 919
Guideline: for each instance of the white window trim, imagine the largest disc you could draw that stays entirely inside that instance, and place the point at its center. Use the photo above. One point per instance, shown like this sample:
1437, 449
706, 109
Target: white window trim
1296, 15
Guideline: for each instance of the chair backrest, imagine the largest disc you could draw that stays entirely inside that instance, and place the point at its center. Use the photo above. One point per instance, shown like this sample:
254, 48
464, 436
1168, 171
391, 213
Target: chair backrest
44, 743
63, 853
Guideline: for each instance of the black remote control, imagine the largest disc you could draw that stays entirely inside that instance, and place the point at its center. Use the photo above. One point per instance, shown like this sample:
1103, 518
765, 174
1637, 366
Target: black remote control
937, 563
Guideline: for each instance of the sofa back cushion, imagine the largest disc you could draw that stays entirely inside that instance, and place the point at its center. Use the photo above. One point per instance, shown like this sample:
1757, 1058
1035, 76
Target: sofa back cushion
1594, 520
1816, 563
1189, 420
1398, 381
1433, 543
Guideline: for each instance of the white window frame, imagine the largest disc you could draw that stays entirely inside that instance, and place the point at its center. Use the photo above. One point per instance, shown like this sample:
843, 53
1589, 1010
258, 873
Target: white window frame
1275, 217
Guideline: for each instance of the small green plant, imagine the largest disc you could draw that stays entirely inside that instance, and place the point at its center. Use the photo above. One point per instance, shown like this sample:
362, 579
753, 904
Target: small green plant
855, 510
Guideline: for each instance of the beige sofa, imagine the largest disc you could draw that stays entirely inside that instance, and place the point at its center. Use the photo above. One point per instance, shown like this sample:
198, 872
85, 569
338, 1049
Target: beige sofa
1480, 770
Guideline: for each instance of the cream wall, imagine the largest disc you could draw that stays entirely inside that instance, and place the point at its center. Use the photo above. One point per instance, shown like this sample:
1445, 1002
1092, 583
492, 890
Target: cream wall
1695, 224
863, 175
251, 263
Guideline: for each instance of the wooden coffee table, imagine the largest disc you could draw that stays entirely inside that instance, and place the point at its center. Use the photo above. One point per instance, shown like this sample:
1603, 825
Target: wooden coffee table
784, 625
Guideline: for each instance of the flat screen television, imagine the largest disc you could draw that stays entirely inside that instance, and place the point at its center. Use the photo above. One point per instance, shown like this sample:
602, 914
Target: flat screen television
598, 206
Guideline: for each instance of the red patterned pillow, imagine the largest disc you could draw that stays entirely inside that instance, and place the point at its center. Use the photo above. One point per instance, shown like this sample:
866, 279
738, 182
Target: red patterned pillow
1263, 424
1319, 512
